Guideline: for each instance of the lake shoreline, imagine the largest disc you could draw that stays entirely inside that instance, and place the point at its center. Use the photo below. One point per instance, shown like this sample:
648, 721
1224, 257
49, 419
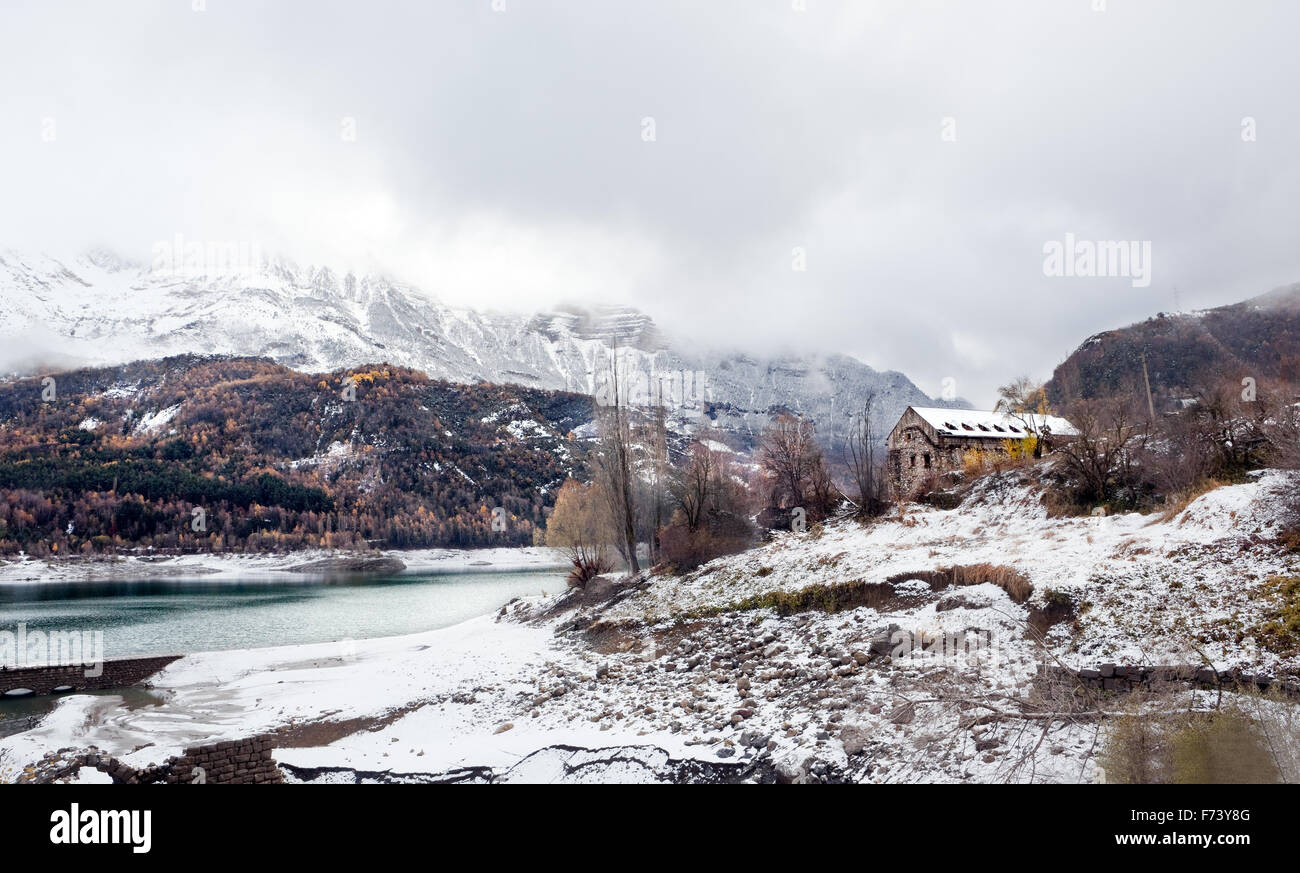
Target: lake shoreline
27, 570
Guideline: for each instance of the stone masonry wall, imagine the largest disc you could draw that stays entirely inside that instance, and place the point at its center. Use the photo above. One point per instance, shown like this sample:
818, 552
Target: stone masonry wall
1119, 677
232, 762
116, 674
236, 762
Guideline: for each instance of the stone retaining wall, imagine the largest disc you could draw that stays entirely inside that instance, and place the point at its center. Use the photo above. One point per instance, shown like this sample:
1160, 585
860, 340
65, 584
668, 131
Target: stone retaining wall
115, 674
1121, 677
232, 762
236, 762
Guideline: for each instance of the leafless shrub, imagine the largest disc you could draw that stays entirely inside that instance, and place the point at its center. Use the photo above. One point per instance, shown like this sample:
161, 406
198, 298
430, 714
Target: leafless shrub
683, 549
866, 470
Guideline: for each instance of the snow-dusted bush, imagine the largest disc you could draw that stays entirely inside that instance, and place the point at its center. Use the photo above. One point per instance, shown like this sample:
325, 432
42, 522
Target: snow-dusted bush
683, 549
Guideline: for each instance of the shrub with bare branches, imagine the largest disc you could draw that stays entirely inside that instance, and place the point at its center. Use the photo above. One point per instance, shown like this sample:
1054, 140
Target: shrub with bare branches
866, 470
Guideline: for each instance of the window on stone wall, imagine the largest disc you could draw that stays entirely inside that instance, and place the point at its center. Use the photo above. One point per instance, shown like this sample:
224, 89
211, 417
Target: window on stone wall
913, 460
927, 460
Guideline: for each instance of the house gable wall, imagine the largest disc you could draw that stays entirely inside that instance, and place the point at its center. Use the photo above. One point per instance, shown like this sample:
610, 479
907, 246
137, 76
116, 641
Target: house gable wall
914, 450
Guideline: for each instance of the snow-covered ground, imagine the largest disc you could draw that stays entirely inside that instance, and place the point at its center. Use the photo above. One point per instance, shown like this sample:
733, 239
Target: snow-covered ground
664, 670
1151, 591
25, 569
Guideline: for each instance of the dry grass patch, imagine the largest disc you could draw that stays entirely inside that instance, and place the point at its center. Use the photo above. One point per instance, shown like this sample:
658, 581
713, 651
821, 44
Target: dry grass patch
1280, 633
1009, 579
1180, 500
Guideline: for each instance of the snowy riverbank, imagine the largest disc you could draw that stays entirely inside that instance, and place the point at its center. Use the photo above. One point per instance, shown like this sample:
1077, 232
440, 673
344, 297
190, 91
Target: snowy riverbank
26, 569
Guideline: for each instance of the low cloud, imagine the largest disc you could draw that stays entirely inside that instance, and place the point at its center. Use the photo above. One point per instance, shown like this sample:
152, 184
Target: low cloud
921, 154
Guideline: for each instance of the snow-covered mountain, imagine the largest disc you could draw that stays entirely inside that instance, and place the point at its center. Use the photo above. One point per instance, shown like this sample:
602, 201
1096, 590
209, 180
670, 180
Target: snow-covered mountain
97, 309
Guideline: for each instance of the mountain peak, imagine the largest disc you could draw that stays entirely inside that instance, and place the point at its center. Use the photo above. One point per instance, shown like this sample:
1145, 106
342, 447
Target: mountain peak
607, 323
100, 309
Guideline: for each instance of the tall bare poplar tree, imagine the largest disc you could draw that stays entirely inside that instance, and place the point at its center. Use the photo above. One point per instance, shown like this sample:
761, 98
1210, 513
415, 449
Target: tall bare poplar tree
614, 463
862, 462
657, 442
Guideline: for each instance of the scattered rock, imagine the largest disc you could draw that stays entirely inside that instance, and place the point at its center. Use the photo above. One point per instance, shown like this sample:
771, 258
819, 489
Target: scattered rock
957, 601
854, 739
882, 644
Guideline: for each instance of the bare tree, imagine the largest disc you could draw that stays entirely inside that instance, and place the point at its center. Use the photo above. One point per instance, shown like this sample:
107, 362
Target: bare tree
863, 466
1101, 456
654, 438
1233, 426
712, 508
614, 463
1025, 401
692, 490
796, 469
787, 453
1281, 427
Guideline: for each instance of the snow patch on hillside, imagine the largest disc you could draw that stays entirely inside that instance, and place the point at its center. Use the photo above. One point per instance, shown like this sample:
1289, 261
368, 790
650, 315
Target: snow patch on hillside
154, 422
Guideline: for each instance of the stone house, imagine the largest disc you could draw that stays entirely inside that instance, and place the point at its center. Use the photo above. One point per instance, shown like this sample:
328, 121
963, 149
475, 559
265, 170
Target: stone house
928, 442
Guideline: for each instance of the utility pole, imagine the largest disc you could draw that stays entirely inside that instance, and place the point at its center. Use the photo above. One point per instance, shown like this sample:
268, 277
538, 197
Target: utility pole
1151, 407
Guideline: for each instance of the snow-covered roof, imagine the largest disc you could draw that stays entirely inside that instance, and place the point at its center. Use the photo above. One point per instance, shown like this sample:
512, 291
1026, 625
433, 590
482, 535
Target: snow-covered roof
996, 425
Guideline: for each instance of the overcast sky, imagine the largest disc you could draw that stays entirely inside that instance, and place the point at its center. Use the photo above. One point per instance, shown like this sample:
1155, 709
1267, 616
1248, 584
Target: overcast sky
920, 154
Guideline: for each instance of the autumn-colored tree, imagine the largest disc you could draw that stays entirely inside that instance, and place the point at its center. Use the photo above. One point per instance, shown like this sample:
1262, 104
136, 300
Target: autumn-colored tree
1026, 401
580, 527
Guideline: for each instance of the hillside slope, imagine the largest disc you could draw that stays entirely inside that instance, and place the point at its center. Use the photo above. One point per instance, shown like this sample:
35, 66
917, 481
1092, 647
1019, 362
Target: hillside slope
1187, 353
276, 458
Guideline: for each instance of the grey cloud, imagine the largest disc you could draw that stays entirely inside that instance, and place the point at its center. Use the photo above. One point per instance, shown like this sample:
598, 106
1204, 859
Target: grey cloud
481, 133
